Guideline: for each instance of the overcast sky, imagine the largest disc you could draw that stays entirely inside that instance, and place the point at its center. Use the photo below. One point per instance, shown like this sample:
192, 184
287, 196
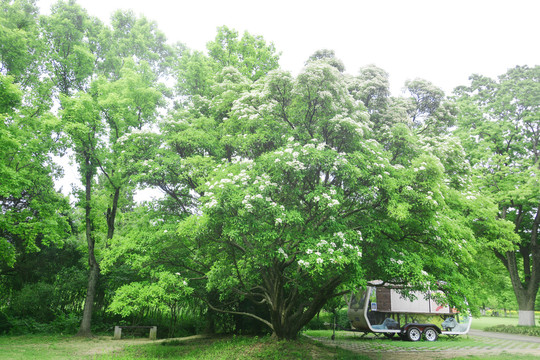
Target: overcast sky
441, 41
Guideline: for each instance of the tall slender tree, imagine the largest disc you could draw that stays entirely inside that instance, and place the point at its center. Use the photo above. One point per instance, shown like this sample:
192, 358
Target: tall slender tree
500, 128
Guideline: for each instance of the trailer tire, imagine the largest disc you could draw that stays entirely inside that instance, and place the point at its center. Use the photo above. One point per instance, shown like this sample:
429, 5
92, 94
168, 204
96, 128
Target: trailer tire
431, 334
414, 333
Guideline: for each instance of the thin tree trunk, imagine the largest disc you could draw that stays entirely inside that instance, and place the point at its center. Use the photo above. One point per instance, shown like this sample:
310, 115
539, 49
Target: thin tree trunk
86, 323
111, 213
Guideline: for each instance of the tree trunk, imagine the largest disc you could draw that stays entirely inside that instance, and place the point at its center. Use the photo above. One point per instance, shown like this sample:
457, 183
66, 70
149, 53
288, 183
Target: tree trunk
86, 323
287, 325
526, 310
111, 213
525, 291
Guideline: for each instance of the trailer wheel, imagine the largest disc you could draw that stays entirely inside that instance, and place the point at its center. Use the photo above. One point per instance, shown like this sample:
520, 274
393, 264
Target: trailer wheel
414, 333
431, 334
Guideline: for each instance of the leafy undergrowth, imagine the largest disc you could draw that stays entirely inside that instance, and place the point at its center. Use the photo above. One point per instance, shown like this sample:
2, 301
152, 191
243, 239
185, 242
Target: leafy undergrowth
232, 348
519, 330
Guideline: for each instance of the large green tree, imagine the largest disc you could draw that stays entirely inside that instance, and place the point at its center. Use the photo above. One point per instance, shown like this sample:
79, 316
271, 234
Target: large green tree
291, 201
500, 128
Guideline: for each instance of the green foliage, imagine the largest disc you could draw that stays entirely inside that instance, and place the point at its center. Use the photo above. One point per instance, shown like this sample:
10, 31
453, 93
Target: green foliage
325, 321
249, 54
134, 38
31, 209
5, 323
162, 294
68, 33
35, 299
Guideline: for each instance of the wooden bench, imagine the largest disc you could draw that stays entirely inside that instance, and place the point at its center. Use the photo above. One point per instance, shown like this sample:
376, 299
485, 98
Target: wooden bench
118, 331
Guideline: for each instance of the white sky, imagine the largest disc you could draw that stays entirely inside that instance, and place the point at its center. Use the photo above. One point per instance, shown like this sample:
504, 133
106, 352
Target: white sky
441, 41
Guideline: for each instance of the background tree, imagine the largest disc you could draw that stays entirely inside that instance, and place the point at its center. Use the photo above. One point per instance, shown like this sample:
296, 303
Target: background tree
500, 128
250, 54
135, 38
96, 123
329, 57
70, 33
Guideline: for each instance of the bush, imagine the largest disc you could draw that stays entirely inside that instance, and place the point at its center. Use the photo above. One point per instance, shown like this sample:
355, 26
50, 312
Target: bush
34, 300
5, 323
318, 322
23, 326
66, 323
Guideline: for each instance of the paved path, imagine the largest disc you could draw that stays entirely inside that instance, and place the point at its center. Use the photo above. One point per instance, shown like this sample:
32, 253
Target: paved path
488, 344
504, 336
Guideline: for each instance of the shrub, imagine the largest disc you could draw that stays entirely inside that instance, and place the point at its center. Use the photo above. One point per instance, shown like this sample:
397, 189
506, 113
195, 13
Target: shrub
325, 320
5, 323
34, 300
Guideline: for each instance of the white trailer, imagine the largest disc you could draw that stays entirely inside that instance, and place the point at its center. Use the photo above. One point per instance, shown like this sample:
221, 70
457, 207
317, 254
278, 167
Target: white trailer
384, 310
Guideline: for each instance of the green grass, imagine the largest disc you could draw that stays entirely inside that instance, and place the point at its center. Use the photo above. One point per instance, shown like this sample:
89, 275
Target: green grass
104, 348
488, 321
54, 347
233, 348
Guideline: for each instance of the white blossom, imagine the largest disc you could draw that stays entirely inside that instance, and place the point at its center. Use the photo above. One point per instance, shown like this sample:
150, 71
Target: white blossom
333, 203
303, 263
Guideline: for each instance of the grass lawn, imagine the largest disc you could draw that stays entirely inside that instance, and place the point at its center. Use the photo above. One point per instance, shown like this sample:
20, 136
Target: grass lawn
104, 348
487, 321
60, 347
